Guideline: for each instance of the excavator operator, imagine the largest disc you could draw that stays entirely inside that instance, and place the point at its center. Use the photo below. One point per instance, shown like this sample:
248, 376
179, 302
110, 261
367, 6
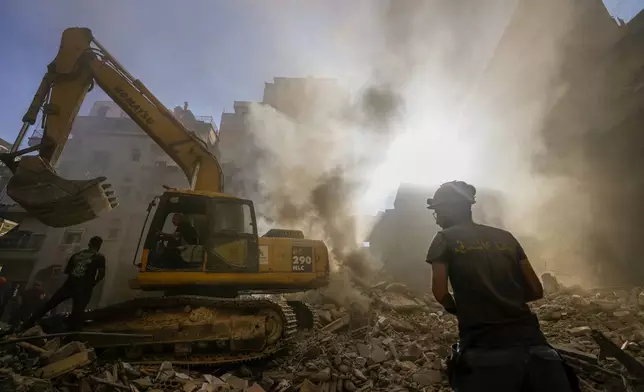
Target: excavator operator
501, 346
184, 234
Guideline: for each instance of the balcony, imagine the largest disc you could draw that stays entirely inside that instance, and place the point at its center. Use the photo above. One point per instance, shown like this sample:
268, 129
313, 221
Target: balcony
208, 120
22, 240
12, 211
20, 245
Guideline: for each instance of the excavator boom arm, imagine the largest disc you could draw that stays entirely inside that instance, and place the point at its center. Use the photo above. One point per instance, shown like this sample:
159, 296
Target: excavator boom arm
77, 65
80, 62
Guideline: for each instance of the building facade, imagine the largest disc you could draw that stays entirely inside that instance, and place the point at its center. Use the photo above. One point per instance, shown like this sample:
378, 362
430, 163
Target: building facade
104, 143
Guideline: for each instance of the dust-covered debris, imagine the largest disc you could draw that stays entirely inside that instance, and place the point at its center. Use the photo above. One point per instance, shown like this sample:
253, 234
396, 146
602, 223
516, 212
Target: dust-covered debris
378, 347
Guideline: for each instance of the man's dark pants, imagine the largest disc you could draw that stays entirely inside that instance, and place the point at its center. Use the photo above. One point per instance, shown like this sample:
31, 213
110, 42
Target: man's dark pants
533, 369
80, 297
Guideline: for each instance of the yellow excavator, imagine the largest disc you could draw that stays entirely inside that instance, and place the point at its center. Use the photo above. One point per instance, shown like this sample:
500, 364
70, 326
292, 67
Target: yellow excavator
205, 315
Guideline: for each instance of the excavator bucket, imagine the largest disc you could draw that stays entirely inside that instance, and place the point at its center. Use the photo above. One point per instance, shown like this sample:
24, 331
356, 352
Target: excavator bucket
55, 201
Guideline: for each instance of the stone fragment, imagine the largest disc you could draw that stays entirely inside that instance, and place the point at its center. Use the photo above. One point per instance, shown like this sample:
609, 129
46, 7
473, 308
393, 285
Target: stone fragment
550, 284
621, 313
401, 326
427, 377
266, 383
396, 288
52, 344
363, 350
378, 354
67, 365
337, 324
412, 353
255, 387
436, 363
234, 381
579, 331
308, 386
551, 315
604, 305
359, 375
143, 383
313, 352
407, 366
63, 352
33, 331
398, 302
191, 386
349, 386
323, 375
361, 362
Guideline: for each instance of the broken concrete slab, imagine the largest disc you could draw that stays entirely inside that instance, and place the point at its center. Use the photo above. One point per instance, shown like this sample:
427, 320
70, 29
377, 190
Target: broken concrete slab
338, 324
255, 387
63, 352
621, 313
234, 381
52, 345
579, 331
427, 377
412, 353
398, 302
143, 383
308, 386
66, 365
378, 354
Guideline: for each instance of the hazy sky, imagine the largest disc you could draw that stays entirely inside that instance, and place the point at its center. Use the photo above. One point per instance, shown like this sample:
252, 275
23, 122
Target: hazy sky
624, 9
212, 53
209, 53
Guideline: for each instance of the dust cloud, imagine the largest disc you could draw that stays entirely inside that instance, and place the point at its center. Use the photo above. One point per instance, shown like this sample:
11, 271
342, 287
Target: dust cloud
478, 92
592, 142
317, 156
559, 103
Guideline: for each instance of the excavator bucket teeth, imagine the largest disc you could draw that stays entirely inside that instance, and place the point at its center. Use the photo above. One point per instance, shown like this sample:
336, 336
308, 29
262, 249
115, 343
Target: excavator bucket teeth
55, 201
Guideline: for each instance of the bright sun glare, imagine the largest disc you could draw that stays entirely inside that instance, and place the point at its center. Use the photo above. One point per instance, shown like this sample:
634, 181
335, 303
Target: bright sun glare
420, 156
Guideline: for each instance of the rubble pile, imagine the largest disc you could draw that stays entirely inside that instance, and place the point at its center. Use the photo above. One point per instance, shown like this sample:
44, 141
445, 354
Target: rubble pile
403, 340
398, 342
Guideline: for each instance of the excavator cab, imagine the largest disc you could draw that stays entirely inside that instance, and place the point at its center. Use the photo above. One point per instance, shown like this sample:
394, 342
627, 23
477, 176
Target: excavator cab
56, 201
191, 231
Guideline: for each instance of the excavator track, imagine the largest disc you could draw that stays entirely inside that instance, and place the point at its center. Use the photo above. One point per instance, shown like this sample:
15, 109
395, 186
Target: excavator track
194, 330
305, 315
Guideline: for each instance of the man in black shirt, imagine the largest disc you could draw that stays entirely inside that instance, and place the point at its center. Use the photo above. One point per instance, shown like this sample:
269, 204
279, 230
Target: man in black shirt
84, 270
184, 234
501, 346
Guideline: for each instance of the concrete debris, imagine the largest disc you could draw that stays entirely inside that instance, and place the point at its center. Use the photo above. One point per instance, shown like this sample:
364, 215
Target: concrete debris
427, 377
399, 344
550, 283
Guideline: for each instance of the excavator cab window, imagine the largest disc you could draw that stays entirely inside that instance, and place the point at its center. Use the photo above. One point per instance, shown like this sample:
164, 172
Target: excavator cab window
176, 237
232, 244
196, 233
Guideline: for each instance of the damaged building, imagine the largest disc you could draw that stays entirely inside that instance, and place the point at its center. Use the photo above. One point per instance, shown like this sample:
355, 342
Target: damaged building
104, 143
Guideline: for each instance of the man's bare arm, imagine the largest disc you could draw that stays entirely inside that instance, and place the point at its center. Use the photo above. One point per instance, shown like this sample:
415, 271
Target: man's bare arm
534, 289
100, 274
440, 288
